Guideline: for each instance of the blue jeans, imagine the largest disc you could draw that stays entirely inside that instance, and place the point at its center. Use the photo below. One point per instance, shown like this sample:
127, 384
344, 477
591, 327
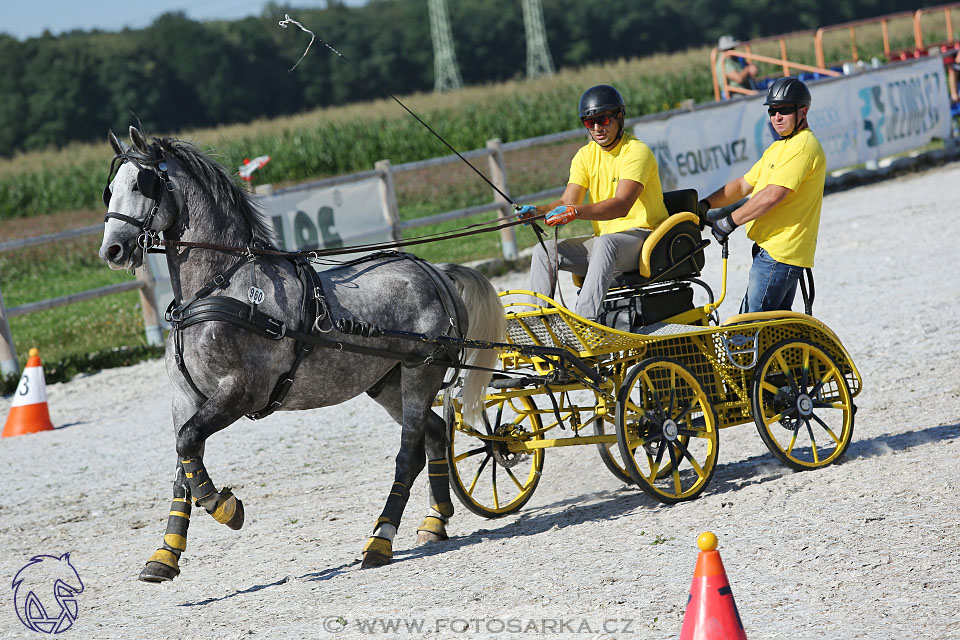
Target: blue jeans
772, 284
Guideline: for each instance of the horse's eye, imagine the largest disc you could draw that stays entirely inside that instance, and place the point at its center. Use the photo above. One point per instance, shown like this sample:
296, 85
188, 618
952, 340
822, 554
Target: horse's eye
135, 187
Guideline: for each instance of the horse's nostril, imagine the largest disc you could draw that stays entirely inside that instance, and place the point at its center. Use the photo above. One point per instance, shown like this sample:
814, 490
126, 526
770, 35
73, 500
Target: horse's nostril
113, 251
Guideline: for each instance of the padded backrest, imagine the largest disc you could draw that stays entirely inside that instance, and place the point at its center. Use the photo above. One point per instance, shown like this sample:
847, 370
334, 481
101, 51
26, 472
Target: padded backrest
680, 200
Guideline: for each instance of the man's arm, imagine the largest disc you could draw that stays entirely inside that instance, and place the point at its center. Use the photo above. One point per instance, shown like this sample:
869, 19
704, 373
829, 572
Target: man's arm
729, 193
616, 207
765, 200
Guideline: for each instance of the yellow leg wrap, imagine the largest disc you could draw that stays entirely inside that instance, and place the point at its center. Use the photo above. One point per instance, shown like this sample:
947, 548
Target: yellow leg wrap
165, 557
445, 509
381, 520
225, 511
178, 542
381, 546
434, 525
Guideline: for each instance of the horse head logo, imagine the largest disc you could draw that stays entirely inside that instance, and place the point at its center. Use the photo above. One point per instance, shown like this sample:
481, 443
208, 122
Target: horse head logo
43, 581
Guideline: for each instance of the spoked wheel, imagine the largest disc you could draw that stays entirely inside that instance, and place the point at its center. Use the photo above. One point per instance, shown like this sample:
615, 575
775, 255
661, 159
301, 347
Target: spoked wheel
610, 454
485, 475
802, 405
666, 430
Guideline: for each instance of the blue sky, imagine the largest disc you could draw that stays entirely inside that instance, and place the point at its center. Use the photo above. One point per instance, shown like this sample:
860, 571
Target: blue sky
25, 19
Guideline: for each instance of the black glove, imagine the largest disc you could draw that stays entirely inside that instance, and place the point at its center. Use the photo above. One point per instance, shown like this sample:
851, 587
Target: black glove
723, 227
702, 207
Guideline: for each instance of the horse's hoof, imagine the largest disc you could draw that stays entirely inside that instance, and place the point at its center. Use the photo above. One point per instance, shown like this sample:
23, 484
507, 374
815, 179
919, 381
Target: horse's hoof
237, 520
374, 559
229, 511
423, 537
377, 552
158, 572
432, 529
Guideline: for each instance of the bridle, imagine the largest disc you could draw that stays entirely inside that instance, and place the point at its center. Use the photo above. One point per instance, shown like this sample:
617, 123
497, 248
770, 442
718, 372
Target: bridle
152, 184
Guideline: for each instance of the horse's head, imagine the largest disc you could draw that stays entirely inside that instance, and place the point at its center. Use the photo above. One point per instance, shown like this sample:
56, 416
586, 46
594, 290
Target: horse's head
139, 202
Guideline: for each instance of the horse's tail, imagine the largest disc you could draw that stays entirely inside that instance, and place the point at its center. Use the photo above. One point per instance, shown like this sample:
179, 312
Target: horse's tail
487, 323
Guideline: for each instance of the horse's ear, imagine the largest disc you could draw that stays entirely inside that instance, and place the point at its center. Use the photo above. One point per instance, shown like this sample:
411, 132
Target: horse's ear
114, 143
139, 141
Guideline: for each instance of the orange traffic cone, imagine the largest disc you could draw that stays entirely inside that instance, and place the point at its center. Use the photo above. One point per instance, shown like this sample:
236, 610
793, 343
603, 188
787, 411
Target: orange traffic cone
28, 413
711, 612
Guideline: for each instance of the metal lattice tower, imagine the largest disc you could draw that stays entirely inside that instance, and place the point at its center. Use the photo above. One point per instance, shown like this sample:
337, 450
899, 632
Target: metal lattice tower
446, 72
539, 62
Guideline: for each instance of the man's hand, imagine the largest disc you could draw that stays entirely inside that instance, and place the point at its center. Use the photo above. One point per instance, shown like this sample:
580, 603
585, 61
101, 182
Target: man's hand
723, 227
525, 212
561, 215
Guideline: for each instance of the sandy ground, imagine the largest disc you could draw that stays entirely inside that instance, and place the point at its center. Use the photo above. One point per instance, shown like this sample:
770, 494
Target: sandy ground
863, 549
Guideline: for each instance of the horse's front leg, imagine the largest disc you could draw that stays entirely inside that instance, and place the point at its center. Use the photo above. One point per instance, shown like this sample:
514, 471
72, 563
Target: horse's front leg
218, 412
164, 564
192, 482
407, 396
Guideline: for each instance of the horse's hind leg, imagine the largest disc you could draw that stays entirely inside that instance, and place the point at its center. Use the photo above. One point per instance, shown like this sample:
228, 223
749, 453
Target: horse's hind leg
402, 394
164, 564
433, 528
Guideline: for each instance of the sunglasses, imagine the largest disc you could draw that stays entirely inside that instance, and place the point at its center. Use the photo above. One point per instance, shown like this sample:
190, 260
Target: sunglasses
785, 110
603, 120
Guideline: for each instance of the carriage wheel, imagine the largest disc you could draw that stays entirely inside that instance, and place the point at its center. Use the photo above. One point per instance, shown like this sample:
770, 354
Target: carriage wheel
802, 405
666, 430
488, 479
610, 454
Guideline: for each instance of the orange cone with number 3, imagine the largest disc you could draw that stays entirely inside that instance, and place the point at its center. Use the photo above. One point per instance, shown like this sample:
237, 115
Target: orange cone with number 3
711, 612
29, 413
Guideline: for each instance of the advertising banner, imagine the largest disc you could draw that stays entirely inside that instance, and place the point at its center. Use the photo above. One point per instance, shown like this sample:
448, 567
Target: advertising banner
857, 119
303, 218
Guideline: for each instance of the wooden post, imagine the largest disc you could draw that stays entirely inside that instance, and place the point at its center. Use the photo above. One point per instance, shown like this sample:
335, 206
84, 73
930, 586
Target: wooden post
388, 197
148, 302
498, 176
8, 355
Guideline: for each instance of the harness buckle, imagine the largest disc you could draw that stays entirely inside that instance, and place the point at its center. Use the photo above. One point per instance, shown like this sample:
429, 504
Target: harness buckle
276, 335
220, 281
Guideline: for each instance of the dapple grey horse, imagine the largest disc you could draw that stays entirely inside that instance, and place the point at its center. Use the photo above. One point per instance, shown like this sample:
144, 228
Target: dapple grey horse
221, 372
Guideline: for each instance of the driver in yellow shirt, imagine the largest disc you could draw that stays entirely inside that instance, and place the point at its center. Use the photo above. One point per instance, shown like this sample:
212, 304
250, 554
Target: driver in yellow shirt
620, 174
782, 216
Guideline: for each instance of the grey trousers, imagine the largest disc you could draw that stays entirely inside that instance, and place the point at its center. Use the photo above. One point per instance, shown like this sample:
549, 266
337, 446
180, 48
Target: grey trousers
597, 258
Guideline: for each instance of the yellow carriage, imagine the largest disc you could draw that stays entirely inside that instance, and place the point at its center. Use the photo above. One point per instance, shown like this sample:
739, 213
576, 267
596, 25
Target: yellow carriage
652, 399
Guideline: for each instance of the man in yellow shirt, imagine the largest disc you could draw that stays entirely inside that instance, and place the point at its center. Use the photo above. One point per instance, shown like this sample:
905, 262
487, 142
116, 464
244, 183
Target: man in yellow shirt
621, 176
783, 212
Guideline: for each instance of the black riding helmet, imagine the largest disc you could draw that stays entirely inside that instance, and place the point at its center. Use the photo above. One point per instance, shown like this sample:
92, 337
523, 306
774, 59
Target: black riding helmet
600, 99
788, 91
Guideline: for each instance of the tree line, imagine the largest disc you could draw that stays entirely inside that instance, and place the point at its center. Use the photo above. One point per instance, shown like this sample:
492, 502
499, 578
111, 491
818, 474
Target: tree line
179, 74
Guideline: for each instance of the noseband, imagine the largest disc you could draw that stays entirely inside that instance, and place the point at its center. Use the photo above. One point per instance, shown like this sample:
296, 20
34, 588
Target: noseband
152, 184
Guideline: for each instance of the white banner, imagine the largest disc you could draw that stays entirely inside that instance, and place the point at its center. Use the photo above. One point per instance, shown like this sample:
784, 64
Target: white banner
857, 118
322, 218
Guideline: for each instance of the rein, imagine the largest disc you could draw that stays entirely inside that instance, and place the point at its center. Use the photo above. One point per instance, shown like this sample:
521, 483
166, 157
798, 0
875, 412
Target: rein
162, 245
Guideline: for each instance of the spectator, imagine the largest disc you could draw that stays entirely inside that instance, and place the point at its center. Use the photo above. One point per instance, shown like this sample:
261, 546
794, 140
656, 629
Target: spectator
739, 73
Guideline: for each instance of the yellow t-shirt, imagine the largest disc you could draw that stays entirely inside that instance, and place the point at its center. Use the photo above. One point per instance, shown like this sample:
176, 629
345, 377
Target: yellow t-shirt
789, 231
599, 172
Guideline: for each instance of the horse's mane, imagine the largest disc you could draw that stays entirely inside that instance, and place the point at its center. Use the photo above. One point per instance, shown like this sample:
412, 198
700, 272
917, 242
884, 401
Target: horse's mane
213, 177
